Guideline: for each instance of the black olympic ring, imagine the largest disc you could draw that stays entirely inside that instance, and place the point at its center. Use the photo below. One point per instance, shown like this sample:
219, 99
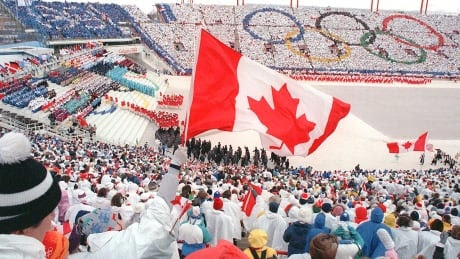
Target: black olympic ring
319, 20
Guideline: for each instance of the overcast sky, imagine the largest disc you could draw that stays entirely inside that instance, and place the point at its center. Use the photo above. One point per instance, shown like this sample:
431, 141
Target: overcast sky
452, 6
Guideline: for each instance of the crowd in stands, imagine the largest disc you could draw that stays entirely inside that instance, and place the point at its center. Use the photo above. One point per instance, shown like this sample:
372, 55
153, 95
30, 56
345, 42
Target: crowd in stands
166, 12
22, 97
26, 65
84, 95
173, 100
364, 79
109, 192
8, 87
118, 74
132, 66
145, 30
329, 40
63, 76
321, 39
71, 20
162, 119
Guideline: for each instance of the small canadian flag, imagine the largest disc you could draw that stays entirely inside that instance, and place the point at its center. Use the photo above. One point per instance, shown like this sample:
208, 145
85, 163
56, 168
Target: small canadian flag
417, 145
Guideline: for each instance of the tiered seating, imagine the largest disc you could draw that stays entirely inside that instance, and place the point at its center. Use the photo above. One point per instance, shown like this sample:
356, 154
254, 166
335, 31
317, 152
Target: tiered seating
69, 20
76, 102
13, 85
125, 99
21, 98
140, 24
64, 76
107, 120
11, 31
131, 66
166, 12
294, 41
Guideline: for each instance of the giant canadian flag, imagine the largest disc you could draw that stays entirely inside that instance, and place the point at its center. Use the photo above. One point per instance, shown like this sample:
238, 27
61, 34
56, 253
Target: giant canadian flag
230, 92
416, 145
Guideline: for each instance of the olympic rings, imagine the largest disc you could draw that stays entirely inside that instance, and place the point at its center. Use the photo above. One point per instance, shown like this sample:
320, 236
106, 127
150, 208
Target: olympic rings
421, 58
319, 20
366, 39
412, 43
331, 36
248, 17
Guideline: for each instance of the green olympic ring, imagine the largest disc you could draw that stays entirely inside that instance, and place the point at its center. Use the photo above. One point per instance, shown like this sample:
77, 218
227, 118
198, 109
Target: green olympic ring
364, 42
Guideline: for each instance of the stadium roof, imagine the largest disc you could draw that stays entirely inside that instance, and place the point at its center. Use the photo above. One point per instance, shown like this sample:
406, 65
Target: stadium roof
446, 6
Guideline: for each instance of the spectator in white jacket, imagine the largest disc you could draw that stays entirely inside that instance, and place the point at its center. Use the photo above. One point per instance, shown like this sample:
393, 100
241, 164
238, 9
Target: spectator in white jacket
427, 239
150, 238
233, 210
406, 239
274, 225
452, 246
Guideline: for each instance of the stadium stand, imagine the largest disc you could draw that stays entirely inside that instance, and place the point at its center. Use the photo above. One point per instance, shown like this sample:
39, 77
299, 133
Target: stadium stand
324, 40
293, 41
10, 30
70, 20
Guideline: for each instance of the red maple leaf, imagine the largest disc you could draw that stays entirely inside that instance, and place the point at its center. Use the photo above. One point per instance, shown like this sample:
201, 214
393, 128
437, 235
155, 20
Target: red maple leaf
281, 120
407, 145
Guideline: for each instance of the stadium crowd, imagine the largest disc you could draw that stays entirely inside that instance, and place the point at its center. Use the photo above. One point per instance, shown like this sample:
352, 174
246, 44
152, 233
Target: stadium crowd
111, 196
330, 41
174, 100
71, 20
322, 39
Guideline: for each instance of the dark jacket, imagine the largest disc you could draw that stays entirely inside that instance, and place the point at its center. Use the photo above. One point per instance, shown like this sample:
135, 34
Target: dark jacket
318, 228
296, 235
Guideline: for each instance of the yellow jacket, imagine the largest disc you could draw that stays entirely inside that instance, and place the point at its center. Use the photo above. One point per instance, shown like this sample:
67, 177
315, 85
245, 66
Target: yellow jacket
270, 252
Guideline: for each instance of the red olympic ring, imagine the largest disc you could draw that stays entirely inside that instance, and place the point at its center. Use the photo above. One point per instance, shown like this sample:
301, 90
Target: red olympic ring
434, 47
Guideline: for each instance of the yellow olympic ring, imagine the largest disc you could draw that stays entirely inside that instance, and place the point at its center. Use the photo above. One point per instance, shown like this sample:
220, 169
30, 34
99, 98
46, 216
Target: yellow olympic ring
343, 56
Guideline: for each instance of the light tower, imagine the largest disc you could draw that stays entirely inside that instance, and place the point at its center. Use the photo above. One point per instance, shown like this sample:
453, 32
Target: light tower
297, 4
421, 6
377, 4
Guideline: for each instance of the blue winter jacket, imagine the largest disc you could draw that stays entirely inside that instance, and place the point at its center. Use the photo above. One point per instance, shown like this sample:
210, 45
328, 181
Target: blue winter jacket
318, 228
296, 235
373, 247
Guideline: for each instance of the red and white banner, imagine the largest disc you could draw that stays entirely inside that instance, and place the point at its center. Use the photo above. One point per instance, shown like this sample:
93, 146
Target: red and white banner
230, 92
417, 145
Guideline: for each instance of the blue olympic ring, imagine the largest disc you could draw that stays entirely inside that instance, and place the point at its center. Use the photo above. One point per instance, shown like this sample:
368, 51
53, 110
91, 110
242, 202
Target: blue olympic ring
248, 18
